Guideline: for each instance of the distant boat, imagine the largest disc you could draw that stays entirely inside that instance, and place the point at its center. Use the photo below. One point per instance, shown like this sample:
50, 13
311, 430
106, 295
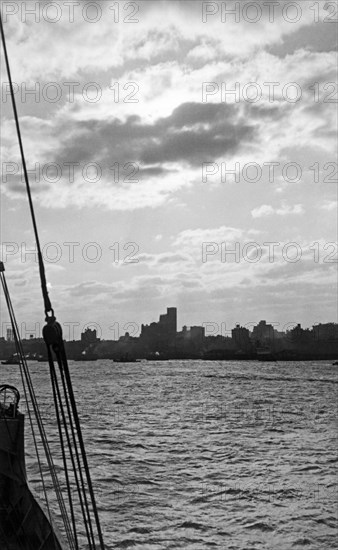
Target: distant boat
335, 364
155, 356
125, 359
265, 354
31, 356
12, 360
86, 356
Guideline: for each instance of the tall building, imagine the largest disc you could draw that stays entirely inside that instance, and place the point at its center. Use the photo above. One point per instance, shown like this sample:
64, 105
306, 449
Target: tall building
241, 336
325, 332
89, 336
263, 332
168, 321
10, 335
158, 336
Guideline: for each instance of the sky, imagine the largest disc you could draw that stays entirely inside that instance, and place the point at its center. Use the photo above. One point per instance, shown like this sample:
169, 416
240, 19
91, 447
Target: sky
133, 116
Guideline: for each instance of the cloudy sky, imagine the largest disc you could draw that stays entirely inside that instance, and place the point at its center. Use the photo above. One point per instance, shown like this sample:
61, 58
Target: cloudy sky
131, 135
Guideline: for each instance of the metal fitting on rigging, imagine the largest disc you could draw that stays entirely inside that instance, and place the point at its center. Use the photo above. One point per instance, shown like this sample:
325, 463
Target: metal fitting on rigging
52, 332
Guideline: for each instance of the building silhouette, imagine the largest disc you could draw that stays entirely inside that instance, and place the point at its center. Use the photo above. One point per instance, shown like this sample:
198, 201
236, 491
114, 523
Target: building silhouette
161, 340
263, 333
325, 332
89, 337
190, 341
241, 336
160, 337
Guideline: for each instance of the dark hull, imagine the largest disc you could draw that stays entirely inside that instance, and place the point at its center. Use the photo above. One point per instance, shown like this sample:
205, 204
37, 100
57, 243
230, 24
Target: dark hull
23, 523
84, 358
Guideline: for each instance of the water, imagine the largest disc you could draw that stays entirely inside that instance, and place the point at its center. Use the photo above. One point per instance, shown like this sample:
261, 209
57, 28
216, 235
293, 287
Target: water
198, 455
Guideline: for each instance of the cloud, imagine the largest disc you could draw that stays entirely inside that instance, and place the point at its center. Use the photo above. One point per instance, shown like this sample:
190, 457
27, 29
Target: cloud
285, 210
331, 206
159, 29
192, 239
164, 259
323, 40
262, 211
172, 258
192, 132
267, 210
137, 162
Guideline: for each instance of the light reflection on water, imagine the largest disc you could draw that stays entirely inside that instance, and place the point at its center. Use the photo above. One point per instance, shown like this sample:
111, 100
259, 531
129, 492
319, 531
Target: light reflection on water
193, 454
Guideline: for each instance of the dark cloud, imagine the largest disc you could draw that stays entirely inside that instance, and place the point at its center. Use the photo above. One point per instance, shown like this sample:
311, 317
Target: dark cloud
292, 271
318, 37
262, 111
17, 187
188, 114
193, 133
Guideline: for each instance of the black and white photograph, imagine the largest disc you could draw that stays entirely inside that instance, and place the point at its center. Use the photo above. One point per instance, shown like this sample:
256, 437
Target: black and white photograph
168, 266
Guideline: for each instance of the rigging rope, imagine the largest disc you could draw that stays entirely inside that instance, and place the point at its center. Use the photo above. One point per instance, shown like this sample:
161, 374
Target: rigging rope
48, 306
55, 343
79, 483
56, 394
52, 333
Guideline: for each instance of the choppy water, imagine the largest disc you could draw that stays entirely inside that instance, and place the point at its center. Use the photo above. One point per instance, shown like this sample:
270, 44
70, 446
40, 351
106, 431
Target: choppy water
195, 455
